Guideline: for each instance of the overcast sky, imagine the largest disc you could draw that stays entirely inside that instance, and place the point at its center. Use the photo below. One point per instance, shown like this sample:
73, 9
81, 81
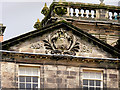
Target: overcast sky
19, 16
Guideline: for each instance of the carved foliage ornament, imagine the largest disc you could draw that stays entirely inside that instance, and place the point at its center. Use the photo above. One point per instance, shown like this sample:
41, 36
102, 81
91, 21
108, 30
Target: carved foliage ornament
61, 43
59, 10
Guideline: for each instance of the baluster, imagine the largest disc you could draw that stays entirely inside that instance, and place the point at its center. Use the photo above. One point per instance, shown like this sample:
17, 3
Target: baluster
70, 12
94, 13
84, 14
74, 13
118, 15
90, 14
109, 15
113, 16
79, 12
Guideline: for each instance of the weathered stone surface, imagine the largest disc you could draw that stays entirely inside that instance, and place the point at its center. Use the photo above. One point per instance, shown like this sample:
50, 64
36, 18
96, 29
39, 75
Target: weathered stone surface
41, 79
50, 80
104, 75
112, 79
62, 77
70, 77
49, 85
63, 86
41, 85
73, 73
61, 68
58, 72
37, 45
66, 72
58, 80
108, 35
8, 72
112, 75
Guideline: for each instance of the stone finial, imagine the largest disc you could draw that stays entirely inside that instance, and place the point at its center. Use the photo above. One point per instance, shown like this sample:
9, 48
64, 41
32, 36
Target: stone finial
45, 10
45, 5
38, 20
37, 25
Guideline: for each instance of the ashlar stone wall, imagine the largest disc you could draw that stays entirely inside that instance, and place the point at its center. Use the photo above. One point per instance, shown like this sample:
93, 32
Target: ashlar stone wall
56, 76
9, 73
60, 77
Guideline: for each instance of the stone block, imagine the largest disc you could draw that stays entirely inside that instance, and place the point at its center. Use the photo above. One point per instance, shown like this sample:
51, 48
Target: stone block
59, 72
50, 80
50, 73
51, 67
41, 79
70, 77
62, 86
61, 67
73, 73
104, 75
58, 80
69, 68
41, 85
66, 72
112, 75
49, 85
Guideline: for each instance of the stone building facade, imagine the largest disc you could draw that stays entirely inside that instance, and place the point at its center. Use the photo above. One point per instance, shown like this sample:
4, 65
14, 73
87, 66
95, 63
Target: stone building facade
74, 46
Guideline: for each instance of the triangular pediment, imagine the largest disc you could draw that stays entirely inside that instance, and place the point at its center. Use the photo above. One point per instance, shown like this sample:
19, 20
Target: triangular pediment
62, 39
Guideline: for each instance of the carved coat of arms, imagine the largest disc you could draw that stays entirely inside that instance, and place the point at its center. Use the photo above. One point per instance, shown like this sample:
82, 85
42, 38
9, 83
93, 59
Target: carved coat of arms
61, 43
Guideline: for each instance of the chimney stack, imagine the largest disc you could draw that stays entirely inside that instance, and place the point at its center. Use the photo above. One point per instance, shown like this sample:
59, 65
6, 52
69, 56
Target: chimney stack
2, 29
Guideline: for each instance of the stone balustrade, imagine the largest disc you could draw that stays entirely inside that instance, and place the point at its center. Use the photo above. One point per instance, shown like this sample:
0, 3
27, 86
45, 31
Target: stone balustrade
100, 12
82, 11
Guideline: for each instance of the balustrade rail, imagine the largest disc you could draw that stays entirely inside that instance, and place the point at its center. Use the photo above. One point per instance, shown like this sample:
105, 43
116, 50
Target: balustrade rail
83, 11
94, 13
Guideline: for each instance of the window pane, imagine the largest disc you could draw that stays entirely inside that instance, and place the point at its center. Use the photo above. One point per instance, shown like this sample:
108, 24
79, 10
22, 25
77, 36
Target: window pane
92, 75
86, 75
28, 71
22, 70
28, 79
35, 79
85, 88
98, 83
91, 88
28, 85
22, 79
35, 71
85, 82
35, 85
22, 85
91, 82
98, 88
98, 75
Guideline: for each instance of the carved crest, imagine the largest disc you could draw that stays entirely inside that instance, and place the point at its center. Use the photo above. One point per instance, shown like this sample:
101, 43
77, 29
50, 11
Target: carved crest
62, 43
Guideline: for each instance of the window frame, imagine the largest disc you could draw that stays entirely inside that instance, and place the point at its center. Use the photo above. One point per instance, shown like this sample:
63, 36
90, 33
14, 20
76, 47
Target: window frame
93, 70
32, 66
